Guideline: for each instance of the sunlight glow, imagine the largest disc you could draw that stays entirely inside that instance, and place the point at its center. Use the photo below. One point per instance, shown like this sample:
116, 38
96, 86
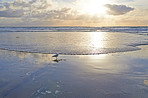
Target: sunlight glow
97, 40
93, 7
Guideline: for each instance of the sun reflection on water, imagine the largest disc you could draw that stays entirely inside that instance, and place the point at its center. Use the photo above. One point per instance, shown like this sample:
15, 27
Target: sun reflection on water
97, 39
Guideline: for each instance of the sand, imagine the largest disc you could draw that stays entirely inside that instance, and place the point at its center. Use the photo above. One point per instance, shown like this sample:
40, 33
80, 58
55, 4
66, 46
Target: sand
36, 75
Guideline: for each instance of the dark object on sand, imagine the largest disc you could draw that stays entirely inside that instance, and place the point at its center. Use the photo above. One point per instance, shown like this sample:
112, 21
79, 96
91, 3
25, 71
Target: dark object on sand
56, 55
17, 37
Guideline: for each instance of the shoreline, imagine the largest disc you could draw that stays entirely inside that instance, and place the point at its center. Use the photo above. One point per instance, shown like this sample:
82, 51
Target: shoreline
108, 75
137, 46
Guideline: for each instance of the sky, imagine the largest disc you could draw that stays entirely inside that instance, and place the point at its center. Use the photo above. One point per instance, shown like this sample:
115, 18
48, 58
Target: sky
73, 13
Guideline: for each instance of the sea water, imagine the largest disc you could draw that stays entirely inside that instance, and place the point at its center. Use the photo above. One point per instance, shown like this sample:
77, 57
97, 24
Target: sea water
73, 40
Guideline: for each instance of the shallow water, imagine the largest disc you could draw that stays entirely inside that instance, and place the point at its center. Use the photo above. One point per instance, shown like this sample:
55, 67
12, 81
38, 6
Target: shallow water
36, 75
71, 43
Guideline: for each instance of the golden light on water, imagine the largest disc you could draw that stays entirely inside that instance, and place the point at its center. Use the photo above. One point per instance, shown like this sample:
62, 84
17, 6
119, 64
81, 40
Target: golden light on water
97, 40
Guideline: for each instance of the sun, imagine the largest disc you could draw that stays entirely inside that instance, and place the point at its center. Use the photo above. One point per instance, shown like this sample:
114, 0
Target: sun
93, 7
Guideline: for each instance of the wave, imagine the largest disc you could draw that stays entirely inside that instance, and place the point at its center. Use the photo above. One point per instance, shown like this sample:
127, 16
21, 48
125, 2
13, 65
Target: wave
143, 29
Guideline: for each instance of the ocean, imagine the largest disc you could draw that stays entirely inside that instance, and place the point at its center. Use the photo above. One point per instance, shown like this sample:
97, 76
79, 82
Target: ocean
73, 40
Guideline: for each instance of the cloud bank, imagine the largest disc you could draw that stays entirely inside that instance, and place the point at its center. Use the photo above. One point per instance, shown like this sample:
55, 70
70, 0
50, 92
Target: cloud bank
114, 9
66, 13
20, 8
39, 11
35, 9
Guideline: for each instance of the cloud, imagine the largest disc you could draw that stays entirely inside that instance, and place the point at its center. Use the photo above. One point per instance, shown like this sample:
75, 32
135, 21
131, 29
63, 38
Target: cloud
51, 14
36, 10
55, 12
114, 9
123, 1
35, 4
23, 4
9, 13
40, 10
21, 8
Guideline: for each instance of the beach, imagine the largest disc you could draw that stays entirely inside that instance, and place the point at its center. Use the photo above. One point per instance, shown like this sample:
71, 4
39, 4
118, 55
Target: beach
36, 75
73, 49
89, 65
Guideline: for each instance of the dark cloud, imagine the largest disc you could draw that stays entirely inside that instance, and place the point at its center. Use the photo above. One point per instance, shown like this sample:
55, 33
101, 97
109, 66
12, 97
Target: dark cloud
114, 9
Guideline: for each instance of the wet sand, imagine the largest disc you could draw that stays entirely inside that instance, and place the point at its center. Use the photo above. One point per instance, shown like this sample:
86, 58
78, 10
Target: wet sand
36, 75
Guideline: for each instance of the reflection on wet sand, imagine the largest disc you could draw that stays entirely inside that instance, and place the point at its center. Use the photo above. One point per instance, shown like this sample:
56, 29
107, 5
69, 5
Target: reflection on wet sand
36, 75
28, 75
37, 58
58, 60
146, 82
104, 64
